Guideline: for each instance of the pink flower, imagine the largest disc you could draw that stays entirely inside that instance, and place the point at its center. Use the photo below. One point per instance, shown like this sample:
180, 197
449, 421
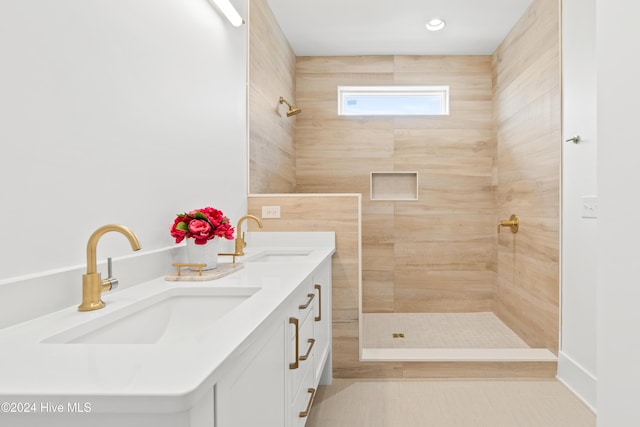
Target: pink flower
179, 229
202, 225
200, 230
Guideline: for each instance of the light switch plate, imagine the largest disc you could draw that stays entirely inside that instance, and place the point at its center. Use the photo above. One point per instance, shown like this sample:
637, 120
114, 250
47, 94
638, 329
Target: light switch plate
271, 212
589, 206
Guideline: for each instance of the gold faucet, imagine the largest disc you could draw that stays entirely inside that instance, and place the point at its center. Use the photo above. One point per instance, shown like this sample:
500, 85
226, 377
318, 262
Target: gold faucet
92, 283
240, 243
513, 222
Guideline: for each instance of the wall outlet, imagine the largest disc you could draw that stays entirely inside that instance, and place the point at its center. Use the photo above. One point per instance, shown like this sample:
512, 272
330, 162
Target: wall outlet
589, 206
271, 212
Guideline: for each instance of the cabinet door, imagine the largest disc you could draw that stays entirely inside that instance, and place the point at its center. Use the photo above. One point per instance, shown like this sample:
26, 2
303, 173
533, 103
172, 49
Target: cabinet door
253, 389
301, 406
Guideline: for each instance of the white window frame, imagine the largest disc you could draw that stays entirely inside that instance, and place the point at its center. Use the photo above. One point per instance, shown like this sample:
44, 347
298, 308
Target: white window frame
439, 91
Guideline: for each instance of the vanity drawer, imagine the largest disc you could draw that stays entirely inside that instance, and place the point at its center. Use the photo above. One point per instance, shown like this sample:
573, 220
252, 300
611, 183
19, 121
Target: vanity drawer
306, 348
303, 400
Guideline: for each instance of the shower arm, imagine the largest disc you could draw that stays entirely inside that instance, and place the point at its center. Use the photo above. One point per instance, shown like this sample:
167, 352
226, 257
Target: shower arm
292, 109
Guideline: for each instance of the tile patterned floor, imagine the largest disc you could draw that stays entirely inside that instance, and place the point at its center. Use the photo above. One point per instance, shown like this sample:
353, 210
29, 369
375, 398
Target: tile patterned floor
438, 330
453, 403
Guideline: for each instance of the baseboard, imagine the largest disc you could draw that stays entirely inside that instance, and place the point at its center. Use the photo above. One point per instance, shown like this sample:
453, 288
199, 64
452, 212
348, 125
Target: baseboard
577, 379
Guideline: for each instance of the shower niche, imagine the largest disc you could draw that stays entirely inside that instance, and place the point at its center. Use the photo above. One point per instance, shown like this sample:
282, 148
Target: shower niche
391, 186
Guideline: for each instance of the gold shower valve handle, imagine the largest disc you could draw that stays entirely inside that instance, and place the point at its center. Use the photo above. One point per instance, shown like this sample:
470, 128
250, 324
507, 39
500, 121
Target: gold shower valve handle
513, 222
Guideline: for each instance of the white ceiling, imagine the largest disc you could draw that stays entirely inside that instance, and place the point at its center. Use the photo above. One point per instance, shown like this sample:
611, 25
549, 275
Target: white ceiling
387, 27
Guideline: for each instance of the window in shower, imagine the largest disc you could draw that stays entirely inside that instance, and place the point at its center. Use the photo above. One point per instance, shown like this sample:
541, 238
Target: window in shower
393, 100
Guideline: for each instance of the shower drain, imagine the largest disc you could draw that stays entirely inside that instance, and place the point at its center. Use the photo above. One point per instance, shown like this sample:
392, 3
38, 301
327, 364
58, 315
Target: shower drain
398, 335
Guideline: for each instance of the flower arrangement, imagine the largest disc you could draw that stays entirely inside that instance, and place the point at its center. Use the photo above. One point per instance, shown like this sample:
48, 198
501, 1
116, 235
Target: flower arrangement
202, 225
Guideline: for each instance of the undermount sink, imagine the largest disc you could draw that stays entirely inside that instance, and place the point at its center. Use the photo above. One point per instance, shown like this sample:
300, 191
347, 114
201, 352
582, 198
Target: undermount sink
176, 316
280, 256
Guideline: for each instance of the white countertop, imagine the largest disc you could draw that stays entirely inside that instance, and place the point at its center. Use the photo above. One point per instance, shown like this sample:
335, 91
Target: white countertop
151, 377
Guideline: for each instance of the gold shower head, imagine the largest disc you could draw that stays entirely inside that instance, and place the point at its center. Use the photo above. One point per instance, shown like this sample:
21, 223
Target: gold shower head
292, 110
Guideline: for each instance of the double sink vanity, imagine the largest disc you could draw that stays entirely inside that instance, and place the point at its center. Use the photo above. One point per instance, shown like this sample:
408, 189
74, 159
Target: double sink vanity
247, 349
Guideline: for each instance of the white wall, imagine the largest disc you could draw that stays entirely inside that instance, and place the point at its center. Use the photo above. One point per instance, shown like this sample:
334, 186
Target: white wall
577, 355
619, 192
115, 111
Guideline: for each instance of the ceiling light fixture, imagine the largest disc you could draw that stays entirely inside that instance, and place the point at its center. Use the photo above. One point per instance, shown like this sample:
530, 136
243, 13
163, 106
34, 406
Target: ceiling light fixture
435, 24
229, 12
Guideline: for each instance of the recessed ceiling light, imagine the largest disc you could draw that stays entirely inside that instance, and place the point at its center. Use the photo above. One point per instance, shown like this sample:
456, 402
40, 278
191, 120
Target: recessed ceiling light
435, 24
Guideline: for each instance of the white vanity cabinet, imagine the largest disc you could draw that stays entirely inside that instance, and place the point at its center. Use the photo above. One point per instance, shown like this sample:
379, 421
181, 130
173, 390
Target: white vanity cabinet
258, 364
272, 380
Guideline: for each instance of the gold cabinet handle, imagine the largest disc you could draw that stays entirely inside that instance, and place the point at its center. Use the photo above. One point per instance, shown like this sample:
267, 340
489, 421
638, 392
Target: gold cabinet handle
311, 297
319, 316
311, 341
305, 414
294, 321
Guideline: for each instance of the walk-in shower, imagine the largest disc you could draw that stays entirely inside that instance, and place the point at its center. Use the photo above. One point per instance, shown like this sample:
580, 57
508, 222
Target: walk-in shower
438, 282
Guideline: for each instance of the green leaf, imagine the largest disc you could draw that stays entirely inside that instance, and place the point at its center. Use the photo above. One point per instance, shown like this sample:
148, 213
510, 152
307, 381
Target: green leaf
182, 226
200, 215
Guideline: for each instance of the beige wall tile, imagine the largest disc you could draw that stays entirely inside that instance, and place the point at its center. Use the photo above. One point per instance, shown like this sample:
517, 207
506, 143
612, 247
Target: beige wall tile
379, 258
344, 64
527, 94
271, 75
379, 291
443, 291
452, 227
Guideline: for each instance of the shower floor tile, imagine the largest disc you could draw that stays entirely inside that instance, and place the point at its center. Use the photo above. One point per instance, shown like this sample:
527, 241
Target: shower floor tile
438, 330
